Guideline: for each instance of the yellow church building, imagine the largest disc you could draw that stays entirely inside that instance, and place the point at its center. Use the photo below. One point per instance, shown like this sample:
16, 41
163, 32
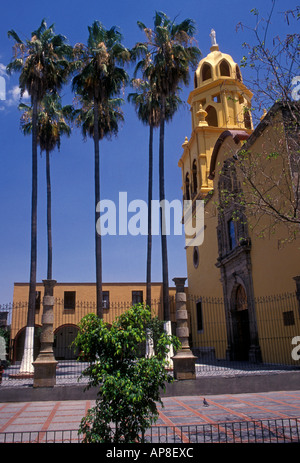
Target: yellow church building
241, 281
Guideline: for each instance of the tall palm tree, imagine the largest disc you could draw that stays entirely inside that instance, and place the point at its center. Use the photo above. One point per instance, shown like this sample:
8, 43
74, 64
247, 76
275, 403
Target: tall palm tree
100, 78
148, 108
52, 123
43, 63
167, 55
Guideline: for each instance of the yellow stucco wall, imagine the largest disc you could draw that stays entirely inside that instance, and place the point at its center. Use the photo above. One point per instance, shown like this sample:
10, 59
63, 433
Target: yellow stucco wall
274, 261
119, 292
120, 299
204, 280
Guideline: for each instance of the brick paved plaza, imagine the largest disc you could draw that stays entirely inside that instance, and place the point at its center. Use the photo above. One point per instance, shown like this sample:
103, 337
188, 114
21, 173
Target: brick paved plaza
177, 411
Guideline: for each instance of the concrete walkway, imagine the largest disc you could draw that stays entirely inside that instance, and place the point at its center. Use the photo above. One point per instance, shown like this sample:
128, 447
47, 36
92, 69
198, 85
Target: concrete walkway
232, 396
177, 411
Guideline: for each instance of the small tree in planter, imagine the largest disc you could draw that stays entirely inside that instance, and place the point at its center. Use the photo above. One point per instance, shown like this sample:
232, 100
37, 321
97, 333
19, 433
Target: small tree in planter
129, 386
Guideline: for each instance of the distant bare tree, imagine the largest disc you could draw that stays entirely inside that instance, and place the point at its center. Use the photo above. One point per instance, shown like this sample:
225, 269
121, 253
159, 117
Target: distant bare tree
272, 63
269, 180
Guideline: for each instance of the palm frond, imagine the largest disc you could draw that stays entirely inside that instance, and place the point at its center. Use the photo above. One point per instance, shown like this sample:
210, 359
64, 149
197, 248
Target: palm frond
43, 61
52, 121
15, 36
165, 60
100, 79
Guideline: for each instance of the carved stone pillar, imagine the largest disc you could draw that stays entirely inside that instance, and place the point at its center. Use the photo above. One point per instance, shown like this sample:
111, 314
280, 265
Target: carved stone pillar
184, 361
45, 364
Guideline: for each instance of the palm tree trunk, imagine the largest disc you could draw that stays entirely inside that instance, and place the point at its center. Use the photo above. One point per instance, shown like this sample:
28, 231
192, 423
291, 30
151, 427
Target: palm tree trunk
26, 364
164, 252
149, 241
49, 227
98, 250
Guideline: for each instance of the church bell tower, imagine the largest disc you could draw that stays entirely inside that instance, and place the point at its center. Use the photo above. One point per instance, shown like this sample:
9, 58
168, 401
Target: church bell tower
219, 102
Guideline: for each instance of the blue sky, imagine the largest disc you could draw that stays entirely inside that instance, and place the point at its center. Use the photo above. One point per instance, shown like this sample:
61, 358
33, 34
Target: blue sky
124, 159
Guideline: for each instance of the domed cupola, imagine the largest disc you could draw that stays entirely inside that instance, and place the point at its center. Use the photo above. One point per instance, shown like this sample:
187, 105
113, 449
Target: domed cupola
215, 66
220, 91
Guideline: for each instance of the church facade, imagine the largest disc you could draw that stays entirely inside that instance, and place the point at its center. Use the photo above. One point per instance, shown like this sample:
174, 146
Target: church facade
242, 280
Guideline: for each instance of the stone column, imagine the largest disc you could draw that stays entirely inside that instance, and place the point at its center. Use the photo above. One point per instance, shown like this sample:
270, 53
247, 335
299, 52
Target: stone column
45, 364
184, 361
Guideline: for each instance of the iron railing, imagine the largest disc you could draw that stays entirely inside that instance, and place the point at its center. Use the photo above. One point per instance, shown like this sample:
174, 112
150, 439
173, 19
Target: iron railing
219, 341
272, 431
256, 431
65, 327
222, 336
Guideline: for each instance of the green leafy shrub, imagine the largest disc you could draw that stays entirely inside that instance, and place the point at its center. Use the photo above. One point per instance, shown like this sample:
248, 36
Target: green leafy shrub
129, 385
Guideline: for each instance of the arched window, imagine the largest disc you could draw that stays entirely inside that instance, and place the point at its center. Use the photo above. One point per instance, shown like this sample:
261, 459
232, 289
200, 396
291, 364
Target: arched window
195, 183
247, 119
206, 72
224, 68
238, 73
187, 187
196, 257
211, 118
231, 234
195, 80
